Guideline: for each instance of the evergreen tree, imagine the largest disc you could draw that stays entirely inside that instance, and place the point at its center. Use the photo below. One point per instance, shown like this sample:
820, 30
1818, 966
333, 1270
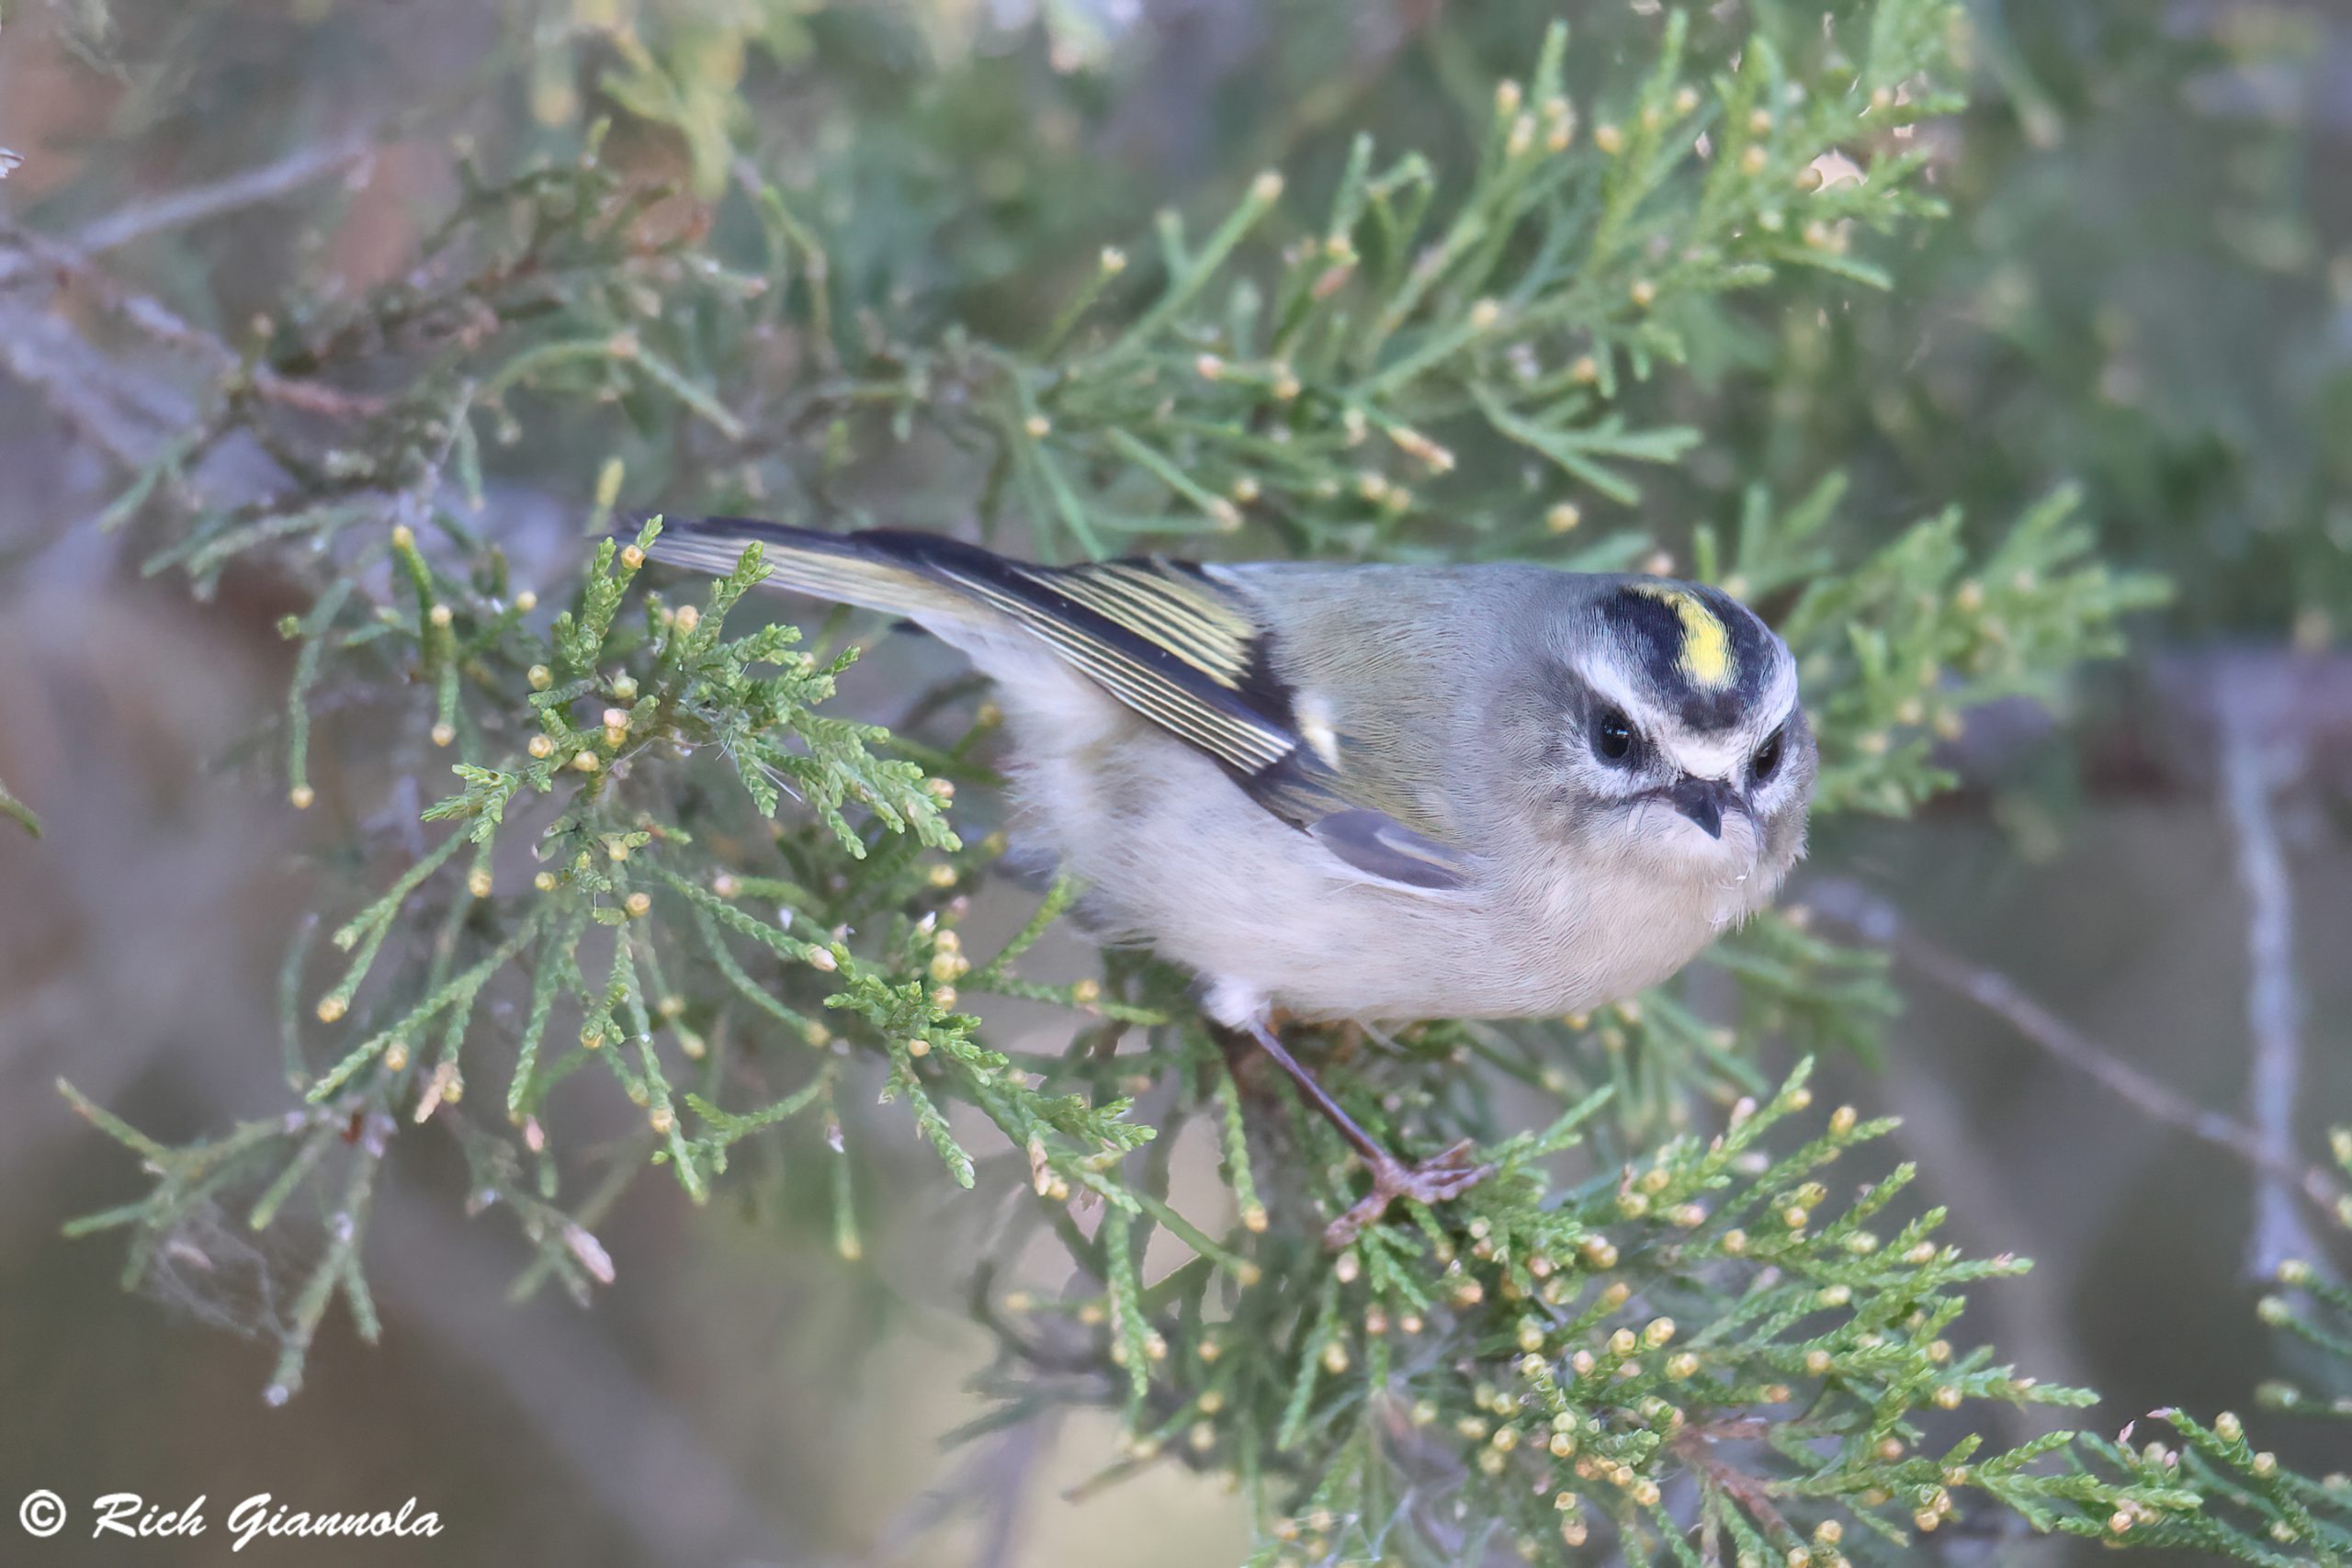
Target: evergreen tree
739, 259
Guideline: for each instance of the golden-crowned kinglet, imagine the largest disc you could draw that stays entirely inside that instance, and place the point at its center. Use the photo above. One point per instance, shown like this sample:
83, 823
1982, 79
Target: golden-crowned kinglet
1378, 793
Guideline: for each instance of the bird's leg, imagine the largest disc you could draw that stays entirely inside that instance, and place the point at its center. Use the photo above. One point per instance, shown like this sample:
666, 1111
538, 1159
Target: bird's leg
1435, 1179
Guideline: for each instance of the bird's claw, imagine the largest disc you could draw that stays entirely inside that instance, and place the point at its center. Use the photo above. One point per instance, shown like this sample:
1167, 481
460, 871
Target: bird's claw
1435, 1179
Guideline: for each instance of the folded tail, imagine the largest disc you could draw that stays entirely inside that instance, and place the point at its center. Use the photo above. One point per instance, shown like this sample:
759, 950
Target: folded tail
876, 570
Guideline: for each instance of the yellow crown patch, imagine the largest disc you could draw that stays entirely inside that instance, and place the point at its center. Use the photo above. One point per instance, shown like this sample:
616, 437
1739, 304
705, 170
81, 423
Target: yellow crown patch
1706, 658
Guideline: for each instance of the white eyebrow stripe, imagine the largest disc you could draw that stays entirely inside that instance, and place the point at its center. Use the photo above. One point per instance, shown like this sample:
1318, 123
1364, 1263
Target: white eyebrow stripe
1605, 684
1779, 693
1723, 757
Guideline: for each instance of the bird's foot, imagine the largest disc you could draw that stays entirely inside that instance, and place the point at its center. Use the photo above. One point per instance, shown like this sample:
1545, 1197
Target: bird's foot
1435, 1179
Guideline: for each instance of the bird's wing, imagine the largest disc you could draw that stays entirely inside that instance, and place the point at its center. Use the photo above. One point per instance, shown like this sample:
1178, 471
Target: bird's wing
1175, 642
1186, 651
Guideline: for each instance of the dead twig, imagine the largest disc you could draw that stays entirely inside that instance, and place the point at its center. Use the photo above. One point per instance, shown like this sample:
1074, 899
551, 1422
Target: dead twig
2261, 751
1878, 921
1755, 1496
159, 322
75, 260
195, 204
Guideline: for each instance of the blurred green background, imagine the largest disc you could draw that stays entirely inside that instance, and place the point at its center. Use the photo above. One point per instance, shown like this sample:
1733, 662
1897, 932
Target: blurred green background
2145, 287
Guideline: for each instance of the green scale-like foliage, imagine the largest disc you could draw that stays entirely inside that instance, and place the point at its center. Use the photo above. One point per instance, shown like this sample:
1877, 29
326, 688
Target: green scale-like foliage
662, 857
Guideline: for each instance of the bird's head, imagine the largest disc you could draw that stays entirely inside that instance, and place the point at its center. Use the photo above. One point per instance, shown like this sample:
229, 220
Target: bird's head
1675, 744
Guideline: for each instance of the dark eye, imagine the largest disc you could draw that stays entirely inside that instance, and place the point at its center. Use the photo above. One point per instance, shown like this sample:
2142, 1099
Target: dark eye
1766, 761
1612, 735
